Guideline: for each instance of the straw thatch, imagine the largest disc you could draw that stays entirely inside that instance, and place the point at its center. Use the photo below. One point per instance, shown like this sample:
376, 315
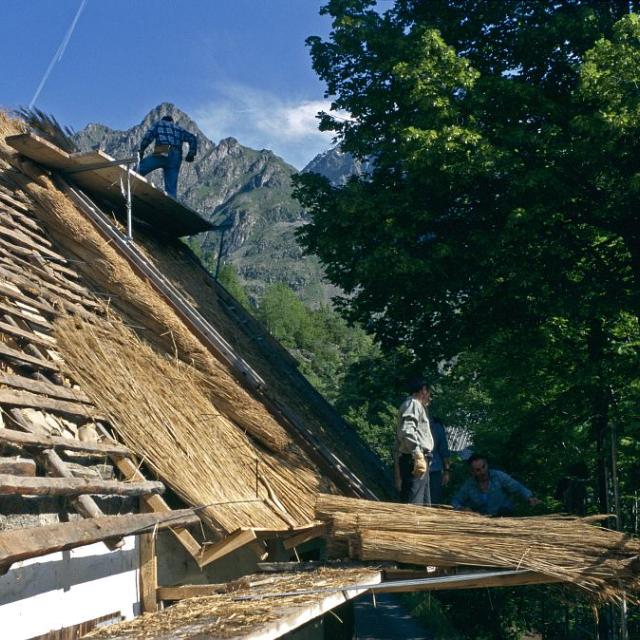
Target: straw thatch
228, 616
162, 409
600, 561
133, 296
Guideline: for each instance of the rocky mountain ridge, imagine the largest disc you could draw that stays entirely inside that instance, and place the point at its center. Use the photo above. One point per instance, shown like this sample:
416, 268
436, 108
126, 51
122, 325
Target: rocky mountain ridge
249, 188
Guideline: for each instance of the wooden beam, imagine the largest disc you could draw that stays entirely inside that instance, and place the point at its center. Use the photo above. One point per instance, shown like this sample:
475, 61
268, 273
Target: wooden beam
16, 485
20, 544
12, 398
304, 536
18, 466
45, 388
148, 573
157, 504
233, 541
19, 438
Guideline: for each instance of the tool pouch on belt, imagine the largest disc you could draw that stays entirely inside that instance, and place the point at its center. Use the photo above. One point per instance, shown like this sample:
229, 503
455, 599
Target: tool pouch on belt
161, 149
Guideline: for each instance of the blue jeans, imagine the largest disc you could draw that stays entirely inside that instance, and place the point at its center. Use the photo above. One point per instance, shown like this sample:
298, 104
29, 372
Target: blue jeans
170, 164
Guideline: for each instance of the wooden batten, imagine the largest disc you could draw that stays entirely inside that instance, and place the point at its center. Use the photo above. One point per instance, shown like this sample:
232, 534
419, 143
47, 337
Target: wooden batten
38, 441
18, 466
15, 485
20, 544
44, 388
24, 334
24, 359
227, 545
305, 536
11, 398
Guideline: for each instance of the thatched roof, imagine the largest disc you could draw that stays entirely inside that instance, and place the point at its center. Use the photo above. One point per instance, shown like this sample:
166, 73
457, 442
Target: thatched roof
163, 392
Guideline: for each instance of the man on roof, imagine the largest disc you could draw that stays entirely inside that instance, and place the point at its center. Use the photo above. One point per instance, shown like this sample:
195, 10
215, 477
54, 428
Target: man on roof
414, 444
489, 491
167, 152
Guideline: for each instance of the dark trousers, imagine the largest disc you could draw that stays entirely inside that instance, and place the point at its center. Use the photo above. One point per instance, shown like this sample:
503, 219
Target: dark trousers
170, 165
413, 490
435, 487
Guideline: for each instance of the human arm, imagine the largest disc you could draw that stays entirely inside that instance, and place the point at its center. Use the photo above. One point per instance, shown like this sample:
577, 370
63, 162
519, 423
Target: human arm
517, 488
461, 500
192, 141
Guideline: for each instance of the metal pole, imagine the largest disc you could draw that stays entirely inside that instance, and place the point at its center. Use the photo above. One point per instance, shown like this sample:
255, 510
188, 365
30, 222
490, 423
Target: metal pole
129, 205
224, 230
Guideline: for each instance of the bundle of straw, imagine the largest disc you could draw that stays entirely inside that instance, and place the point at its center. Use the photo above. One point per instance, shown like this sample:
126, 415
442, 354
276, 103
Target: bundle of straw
570, 549
161, 409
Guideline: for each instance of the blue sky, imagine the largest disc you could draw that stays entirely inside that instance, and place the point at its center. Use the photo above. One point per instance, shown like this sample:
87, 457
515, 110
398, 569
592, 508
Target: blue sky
238, 67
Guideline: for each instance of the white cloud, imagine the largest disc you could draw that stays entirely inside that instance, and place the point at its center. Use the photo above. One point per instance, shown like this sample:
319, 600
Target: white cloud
262, 120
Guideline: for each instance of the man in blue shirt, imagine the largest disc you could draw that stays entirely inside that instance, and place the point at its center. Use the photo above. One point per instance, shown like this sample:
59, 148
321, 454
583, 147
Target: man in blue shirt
167, 153
488, 491
439, 467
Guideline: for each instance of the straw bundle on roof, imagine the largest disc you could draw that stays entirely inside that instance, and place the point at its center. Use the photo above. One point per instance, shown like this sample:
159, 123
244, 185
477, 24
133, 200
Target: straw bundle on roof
161, 409
571, 549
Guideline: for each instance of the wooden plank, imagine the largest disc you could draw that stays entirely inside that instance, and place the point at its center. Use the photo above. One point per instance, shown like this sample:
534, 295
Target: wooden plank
31, 318
13, 293
25, 486
150, 204
30, 336
40, 150
5, 197
22, 358
148, 573
157, 504
46, 290
14, 398
22, 239
20, 544
47, 270
40, 441
16, 220
232, 542
18, 466
304, 536
45, 388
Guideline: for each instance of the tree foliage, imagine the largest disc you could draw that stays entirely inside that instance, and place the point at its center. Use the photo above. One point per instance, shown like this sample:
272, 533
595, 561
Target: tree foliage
496, 239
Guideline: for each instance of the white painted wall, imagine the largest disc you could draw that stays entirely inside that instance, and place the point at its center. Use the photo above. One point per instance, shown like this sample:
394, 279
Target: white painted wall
67, 588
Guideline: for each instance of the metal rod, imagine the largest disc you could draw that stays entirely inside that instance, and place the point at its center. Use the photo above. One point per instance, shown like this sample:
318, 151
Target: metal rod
96, 166
220, 250
129, 206
378, 586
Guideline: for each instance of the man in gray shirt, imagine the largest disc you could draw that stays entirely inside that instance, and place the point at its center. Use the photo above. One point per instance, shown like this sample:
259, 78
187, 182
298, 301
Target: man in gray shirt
414, 444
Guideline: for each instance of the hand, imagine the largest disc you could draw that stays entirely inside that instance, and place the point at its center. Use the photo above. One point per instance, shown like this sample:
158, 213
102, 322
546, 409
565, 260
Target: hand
190, 157
533, 501
445, 477
419, 466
